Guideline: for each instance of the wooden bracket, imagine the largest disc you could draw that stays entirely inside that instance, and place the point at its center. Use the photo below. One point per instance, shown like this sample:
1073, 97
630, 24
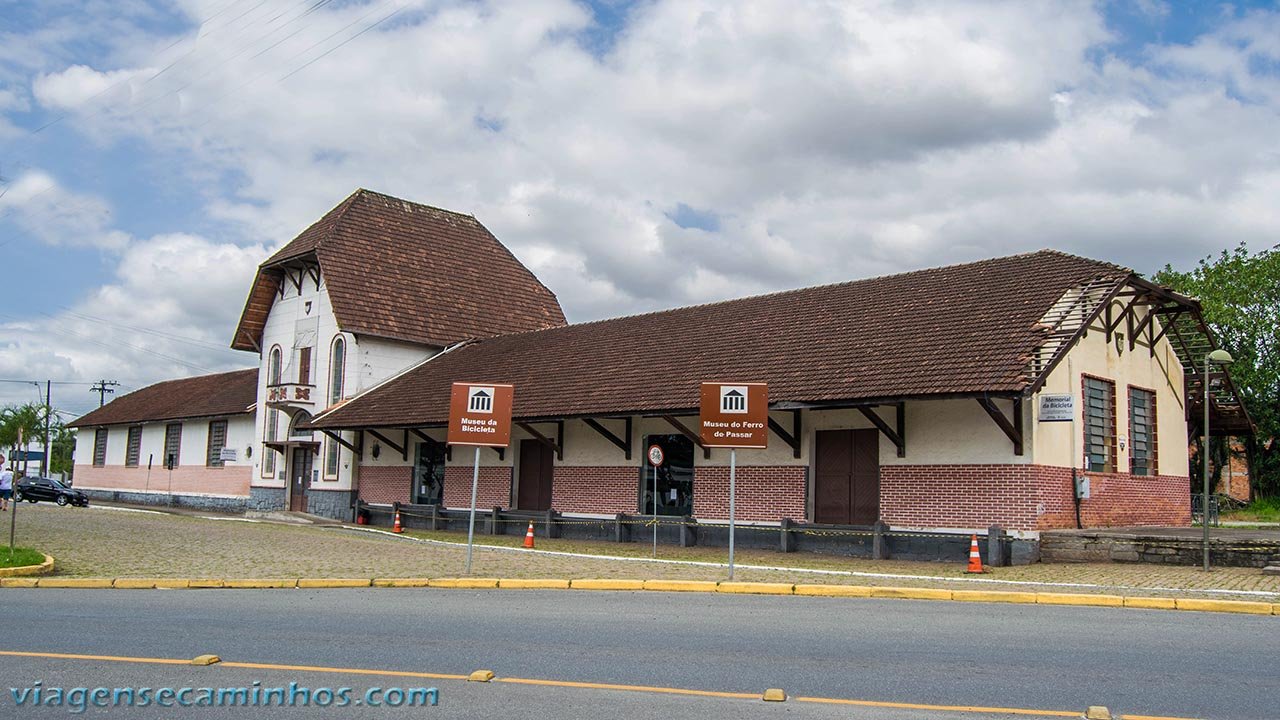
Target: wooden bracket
557, 445
706, 451
502, 452
314, 272
1011, 429
448, 449
357, 447
402, 449
1164, 328
623, 445
895, 435
792, 439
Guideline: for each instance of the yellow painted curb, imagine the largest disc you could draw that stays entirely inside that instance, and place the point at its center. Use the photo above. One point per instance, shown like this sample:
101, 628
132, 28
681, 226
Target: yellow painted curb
833, 590
1079, 599
533, 584
756, 588
172, 583
44, 568
604, 584
1275, 609
205, 583
205, 660
993, 596
134, 583
680, 585
260, 583
1227, 606
463, 583
400, 582
480, 676
19, 582
333, 582
910, 593
1151, 603
56, 582
774, 695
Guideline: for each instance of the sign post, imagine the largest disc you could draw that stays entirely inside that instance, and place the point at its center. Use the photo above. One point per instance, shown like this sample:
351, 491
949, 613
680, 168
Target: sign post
13, 484
655, 459
479, 415
734, 415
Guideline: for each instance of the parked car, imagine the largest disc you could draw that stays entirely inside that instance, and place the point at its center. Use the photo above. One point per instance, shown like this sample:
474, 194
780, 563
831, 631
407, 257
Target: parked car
33, 489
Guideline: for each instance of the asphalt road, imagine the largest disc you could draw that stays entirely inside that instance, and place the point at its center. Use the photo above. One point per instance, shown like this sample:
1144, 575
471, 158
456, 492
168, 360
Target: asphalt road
1159, 663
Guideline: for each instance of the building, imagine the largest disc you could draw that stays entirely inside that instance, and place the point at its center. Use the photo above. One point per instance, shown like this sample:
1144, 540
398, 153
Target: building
922, 400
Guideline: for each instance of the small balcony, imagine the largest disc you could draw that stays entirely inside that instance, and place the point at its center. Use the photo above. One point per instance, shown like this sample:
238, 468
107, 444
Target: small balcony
290, 395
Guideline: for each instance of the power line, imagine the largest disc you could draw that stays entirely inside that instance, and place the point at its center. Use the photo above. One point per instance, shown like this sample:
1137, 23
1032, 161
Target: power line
104, 388
157, 333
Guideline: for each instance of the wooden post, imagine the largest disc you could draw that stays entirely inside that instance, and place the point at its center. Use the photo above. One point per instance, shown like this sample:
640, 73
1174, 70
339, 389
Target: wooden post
879, 541
786, 543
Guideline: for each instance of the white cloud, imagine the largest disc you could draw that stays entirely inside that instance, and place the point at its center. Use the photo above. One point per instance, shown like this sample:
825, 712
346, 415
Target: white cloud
38, 203
77, 85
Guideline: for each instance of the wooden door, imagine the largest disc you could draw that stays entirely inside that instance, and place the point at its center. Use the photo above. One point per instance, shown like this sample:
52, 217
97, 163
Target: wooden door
304, 366
299, 479
537, 465
846, 488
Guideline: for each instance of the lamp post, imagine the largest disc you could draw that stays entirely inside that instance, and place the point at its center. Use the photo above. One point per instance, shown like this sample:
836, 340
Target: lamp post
1218, 357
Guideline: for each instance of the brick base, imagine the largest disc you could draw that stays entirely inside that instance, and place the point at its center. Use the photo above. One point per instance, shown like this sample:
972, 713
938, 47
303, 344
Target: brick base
958, 496
184, 479
494, 487
762, 492
386, 484
1115, 499
596, 489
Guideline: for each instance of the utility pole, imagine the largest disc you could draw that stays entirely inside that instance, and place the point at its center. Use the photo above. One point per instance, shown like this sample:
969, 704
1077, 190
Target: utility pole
104, 388
48, 420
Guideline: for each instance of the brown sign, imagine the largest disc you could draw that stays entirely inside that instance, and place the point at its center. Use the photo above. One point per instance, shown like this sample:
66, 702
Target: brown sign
734, 415
480, 414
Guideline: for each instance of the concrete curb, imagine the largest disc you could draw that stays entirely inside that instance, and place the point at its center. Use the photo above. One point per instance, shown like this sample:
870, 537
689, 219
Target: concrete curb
43, 568
627, 585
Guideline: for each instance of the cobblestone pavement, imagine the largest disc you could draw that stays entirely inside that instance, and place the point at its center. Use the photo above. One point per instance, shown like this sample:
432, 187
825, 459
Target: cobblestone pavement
103, 542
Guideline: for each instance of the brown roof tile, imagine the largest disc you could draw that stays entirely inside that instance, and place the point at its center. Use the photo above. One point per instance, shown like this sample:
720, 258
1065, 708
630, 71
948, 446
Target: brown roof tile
963, 329
229, 393
411, 272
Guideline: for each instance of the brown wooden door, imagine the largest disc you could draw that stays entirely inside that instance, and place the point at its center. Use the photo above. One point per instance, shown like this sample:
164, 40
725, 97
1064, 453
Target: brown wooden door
846, 488
299, 479
537, 466
304, 366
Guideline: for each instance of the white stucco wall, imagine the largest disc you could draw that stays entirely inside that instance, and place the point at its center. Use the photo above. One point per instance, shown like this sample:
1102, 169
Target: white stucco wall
195, 442
1094, 355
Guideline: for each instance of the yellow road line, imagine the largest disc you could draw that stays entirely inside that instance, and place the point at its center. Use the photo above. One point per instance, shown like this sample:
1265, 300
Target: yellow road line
632, 688
941, 708
574, 684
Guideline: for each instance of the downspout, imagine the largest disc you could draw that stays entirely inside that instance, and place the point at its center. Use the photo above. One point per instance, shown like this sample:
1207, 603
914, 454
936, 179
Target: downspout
1075, 482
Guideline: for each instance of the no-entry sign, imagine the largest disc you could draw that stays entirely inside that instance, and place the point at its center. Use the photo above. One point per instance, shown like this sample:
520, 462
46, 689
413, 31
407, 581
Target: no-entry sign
480, 414
734, 415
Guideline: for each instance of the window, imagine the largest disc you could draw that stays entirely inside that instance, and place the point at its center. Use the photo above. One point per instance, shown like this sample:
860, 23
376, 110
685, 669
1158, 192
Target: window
331, 455
172, 444
273, 367
428, 474
675, 476
304, 366
217, 441
134, 448
337, 368
1100, 425
100, 447
270, 432
1142, 431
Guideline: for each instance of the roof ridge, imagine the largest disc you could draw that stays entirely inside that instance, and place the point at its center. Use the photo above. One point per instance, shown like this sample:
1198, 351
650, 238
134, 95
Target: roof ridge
447, 211
823, 286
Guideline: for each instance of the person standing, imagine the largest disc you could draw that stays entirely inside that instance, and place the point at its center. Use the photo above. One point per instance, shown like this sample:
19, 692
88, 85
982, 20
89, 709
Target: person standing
6, 485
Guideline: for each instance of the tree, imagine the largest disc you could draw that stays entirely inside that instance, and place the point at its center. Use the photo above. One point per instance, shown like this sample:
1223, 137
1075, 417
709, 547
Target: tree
1239, 294
31, 418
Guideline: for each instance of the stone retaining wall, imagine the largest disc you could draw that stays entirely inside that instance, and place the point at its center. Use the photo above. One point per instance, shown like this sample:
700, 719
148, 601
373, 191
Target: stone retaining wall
1103, 547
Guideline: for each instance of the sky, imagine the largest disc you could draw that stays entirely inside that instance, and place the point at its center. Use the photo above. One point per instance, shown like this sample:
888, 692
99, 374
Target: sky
635, 155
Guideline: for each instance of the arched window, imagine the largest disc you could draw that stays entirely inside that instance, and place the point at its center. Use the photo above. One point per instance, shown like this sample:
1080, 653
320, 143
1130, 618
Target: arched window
337, 369
273, 366
272, 428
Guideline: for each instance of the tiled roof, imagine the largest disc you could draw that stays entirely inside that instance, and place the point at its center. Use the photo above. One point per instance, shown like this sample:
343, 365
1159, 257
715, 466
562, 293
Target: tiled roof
958, 330
411, 272
229, 393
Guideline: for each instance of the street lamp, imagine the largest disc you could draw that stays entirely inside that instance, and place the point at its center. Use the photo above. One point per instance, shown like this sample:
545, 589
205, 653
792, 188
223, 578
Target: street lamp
1217, 357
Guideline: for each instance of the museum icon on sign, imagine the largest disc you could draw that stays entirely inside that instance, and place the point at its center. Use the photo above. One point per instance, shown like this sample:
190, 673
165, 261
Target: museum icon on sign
733, 399
480, 400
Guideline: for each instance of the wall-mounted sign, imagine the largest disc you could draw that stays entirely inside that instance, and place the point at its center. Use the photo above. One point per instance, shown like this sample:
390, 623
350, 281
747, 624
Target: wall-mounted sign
1057, 408
227, 454
480, 414
734, 415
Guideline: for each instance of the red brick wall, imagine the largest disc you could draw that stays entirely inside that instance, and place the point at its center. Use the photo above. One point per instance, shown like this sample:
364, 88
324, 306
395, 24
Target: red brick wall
964, 496
596, 489
228, 480
380, 484
494, 487
1115, 499
762, 492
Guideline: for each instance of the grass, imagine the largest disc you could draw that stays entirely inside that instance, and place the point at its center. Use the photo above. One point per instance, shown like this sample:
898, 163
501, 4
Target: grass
21, 557
1260, 510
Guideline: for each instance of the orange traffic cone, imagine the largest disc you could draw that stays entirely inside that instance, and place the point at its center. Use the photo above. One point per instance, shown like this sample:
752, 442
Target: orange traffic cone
975, 558
528, 536
396, 528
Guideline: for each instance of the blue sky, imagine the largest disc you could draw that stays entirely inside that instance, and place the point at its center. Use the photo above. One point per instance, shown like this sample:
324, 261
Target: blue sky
635, 155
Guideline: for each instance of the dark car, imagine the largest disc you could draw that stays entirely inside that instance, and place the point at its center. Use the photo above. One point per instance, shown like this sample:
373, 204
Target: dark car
33, 489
